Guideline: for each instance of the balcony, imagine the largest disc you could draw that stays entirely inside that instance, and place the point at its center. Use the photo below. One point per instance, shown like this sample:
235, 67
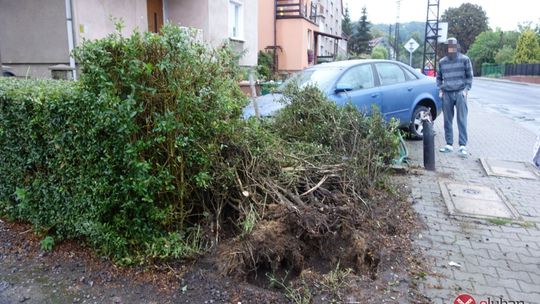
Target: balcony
290, 9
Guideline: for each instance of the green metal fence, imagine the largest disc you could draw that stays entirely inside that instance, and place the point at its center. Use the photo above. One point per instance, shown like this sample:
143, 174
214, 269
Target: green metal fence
492, 70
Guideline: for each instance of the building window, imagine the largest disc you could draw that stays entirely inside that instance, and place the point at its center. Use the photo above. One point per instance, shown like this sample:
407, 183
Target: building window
309, 39
235, 20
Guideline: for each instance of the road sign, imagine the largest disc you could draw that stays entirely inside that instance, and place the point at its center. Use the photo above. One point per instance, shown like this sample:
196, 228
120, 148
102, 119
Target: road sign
411, 45
442, 32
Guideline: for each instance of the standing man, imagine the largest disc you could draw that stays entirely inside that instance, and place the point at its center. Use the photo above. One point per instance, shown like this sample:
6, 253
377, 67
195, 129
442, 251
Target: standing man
454, 79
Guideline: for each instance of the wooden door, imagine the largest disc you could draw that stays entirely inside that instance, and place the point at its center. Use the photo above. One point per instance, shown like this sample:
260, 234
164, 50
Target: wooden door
155, 15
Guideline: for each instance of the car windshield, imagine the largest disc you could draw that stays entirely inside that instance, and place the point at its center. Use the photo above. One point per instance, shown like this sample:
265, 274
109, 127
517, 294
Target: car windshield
320, 77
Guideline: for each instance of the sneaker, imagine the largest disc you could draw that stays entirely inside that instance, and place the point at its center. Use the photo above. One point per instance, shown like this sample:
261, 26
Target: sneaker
446, 149
463, 151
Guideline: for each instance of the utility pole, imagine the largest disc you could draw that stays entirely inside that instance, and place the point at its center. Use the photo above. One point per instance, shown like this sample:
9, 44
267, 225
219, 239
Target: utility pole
390, 55
431, 37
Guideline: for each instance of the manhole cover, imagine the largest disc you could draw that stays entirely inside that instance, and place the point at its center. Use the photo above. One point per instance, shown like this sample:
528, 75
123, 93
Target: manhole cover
507, 168
471, 191
476, 201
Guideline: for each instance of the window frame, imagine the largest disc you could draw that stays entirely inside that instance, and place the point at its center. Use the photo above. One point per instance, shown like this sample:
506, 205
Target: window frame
236, 20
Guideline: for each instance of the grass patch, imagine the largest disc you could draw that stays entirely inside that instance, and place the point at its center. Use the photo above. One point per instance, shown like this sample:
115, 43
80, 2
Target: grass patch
527, 224
499, 221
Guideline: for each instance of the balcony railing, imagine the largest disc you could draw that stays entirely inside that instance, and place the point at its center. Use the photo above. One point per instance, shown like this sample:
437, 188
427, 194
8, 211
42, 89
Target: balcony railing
287, 9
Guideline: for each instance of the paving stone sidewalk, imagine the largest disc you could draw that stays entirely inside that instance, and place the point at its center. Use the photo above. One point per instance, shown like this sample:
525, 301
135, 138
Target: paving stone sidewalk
498, 260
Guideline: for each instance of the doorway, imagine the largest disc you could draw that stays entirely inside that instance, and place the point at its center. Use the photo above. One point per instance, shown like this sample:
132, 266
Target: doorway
155, 15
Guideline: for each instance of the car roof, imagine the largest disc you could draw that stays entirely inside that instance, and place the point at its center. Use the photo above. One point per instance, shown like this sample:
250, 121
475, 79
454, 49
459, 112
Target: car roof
349, 63
345, 64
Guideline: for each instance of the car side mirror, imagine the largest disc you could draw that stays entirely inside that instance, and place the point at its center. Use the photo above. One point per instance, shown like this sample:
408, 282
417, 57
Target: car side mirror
340, 88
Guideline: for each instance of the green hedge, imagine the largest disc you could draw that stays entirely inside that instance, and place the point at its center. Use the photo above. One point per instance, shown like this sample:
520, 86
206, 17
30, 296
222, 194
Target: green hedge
125, 156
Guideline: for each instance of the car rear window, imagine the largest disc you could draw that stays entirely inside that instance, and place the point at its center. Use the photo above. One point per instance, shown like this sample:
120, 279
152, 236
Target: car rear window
390, 73
409, 74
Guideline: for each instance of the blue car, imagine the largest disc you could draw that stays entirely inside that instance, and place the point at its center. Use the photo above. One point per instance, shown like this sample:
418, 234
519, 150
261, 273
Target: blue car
399, 91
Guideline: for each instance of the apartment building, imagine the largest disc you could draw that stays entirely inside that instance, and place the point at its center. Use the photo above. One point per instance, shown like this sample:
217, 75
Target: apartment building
300, 33
36, 34
330, 16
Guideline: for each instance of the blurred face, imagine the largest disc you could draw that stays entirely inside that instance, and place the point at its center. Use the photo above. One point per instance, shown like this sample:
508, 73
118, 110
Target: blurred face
452, 48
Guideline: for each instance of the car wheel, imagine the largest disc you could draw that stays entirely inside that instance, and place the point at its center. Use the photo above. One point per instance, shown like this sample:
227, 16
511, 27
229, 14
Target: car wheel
416, 129
7, 74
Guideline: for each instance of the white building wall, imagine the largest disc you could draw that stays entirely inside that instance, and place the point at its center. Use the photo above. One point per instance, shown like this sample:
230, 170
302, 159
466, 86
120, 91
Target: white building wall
218, 12
212, 17
94, 19
331, 24
193, 14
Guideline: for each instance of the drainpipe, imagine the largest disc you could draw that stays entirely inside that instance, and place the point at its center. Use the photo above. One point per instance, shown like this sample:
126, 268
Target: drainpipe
71, 40
1, 69
275, 38
166, 11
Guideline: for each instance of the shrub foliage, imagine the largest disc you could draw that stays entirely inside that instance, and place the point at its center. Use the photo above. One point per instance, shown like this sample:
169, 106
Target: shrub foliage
126, 155
147, 156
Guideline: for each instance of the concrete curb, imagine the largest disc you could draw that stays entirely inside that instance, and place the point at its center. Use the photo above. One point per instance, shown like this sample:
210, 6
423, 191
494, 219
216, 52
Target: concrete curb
507, 81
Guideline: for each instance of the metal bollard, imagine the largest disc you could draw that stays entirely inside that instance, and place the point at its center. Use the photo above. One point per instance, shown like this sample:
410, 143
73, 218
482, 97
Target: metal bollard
429, 142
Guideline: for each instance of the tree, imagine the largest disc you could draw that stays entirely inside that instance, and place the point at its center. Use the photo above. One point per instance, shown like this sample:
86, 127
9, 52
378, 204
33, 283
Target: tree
346, 24
379, 52
484, 48
527, 49
375, 32
510, 39
359, 42
265, 65
465, 23
493, 47
504, 55
523, 26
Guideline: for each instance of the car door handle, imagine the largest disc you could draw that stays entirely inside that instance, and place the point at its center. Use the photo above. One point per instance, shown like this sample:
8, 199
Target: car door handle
374, 95
409, 89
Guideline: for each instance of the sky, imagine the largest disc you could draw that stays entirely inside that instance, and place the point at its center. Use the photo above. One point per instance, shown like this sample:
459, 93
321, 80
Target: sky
503, 14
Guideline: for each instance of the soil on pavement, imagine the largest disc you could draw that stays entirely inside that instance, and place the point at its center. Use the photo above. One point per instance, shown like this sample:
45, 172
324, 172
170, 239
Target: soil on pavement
72, 273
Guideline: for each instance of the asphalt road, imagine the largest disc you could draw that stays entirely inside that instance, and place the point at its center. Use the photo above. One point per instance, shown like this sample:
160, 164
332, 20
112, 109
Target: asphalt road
519, 101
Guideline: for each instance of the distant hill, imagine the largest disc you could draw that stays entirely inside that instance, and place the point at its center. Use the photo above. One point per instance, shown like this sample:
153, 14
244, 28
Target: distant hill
406, 30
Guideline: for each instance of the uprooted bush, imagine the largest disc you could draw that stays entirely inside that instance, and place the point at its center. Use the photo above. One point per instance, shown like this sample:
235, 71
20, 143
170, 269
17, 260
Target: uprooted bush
310, 189
147, 156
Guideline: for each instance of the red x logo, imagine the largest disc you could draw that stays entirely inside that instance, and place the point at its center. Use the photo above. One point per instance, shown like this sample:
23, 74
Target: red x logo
464, 299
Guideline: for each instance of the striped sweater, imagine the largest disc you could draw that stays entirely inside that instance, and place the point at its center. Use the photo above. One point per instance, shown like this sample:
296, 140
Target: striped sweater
456, 74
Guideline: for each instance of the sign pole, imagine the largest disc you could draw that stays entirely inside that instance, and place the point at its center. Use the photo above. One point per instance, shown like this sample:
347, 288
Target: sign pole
411, 46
